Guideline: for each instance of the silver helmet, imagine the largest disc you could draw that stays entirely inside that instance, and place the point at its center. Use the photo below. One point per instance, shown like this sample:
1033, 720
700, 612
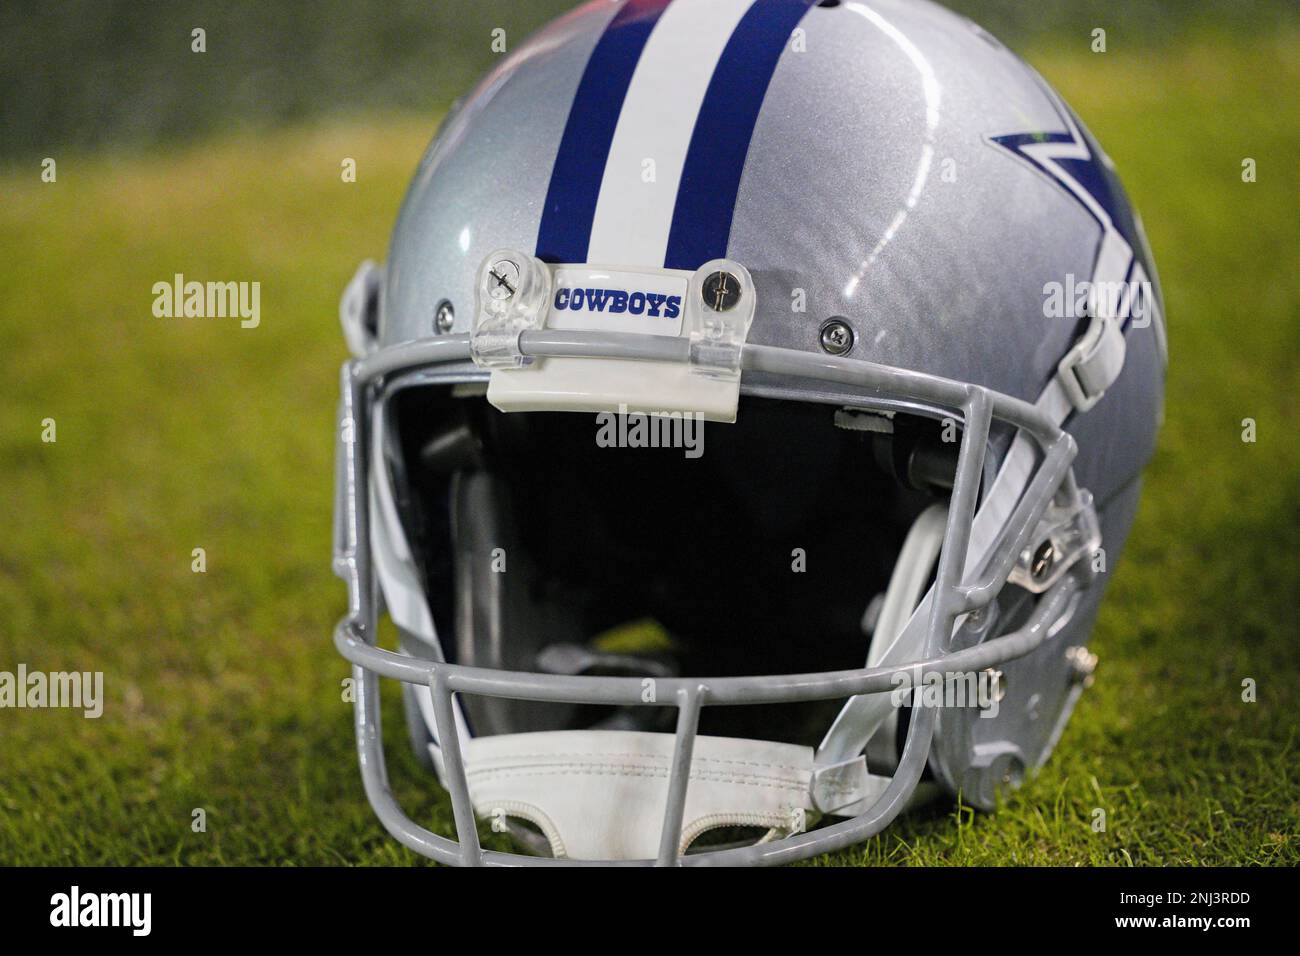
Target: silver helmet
901, 283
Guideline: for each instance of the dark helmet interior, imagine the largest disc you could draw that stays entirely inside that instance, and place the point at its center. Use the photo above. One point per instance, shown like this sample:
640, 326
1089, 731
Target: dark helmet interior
543, 550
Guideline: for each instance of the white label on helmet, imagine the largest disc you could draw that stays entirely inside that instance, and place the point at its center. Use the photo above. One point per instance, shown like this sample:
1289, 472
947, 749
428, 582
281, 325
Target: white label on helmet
606, 301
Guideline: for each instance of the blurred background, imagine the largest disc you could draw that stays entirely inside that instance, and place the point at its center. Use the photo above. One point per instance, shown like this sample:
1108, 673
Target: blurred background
223, 690
112, 72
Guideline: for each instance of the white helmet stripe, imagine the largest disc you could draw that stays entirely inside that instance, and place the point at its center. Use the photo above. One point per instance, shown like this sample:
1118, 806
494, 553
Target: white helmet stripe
638, 192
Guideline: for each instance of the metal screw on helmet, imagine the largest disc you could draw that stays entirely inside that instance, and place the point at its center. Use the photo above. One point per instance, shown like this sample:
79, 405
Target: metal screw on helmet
721, 291
505, 279
837, 336
444, 318
1043, 560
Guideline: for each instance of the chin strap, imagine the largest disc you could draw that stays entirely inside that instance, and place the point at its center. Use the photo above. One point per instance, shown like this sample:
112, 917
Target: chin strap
600, 795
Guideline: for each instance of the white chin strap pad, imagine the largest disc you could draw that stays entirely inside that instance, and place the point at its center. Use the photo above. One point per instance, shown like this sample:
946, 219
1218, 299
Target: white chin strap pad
600, 794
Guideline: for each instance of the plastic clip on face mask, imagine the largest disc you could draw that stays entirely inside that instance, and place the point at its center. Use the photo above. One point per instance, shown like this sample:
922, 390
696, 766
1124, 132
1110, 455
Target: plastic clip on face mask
684, 341
895, 401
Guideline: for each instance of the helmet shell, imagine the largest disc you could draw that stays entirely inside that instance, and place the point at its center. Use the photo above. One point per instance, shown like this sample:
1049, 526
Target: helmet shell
889, 180
874, 189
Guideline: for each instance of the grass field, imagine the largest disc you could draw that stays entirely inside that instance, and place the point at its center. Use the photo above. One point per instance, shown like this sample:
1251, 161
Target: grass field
223, 689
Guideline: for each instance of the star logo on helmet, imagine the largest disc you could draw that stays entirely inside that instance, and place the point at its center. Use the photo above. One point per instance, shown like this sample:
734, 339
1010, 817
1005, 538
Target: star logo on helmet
1075, 163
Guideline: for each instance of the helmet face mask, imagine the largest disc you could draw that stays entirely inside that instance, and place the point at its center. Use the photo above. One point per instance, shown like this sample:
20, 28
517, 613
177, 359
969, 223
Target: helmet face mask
828, 521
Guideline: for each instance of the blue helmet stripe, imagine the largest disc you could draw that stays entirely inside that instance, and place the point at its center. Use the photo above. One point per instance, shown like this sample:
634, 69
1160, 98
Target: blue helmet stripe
565, 230
706, 200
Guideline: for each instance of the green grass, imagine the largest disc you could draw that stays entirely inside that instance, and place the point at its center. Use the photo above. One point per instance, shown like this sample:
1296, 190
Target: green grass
223, 689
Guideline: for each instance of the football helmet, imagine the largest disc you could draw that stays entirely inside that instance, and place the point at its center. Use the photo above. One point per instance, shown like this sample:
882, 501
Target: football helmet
741, 433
